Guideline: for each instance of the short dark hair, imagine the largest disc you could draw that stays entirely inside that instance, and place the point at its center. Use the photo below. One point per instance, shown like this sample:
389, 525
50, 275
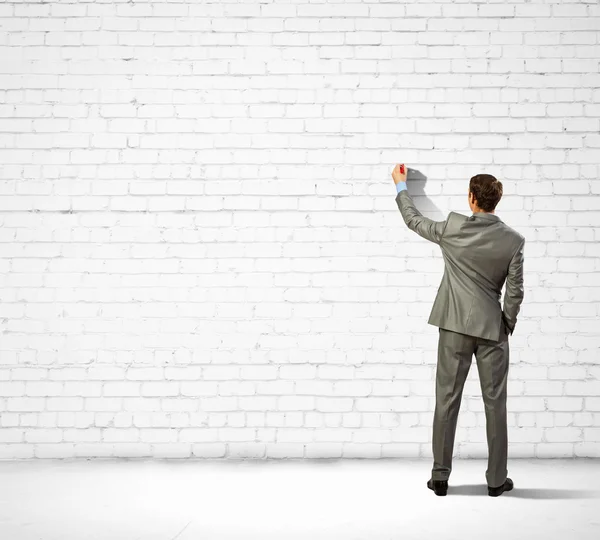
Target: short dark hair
487, 191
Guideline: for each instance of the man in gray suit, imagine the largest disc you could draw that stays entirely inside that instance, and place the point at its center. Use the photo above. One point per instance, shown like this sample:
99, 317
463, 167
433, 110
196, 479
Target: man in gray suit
480, 253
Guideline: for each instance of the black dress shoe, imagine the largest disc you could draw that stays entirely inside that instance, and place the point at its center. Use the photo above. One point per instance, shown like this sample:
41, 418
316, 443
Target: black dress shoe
440, 487
495, 491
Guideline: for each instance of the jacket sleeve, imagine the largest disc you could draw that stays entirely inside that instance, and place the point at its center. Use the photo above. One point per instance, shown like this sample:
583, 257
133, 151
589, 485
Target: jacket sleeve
514, 292
417, 222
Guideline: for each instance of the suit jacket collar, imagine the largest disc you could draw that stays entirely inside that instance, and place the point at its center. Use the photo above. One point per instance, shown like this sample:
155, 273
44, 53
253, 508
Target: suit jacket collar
483, 215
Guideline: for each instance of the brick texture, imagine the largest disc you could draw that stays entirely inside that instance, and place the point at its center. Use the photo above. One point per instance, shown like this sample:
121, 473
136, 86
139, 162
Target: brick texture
200, 250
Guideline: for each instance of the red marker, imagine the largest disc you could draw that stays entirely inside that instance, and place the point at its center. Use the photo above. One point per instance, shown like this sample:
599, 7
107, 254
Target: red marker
402, 169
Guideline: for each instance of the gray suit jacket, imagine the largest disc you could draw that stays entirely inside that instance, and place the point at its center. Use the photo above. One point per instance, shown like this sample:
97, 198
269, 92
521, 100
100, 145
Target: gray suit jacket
480, 253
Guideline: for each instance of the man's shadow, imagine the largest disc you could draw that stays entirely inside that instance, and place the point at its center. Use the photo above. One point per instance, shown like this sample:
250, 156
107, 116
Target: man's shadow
416, 182
526, 493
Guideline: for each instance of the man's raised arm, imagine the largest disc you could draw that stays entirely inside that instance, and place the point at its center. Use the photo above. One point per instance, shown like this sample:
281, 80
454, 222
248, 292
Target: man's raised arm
415, 221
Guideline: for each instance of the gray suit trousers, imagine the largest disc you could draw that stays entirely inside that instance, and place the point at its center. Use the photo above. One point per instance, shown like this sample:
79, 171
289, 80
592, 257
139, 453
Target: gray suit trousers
455, 354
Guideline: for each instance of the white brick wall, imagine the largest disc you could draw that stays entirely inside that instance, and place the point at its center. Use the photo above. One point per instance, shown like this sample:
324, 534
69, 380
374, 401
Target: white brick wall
201, 254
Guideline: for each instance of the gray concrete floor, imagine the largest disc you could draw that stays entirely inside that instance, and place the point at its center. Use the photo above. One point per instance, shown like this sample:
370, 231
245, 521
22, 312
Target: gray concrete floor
324, 499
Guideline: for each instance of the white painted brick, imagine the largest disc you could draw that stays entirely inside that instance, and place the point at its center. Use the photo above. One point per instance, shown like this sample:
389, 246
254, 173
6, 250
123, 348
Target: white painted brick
257, 403
158, 435
247, 450
210, 450
53, 450
82, 435
120, 435
23, 404
565, 404
42, 388
582, 388
131, 449
9, 435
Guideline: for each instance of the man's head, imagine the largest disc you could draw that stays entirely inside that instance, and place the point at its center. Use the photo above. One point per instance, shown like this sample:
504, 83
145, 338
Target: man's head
485, 192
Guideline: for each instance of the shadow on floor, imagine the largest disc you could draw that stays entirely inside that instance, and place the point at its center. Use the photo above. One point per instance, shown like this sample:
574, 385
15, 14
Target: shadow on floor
525, 493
